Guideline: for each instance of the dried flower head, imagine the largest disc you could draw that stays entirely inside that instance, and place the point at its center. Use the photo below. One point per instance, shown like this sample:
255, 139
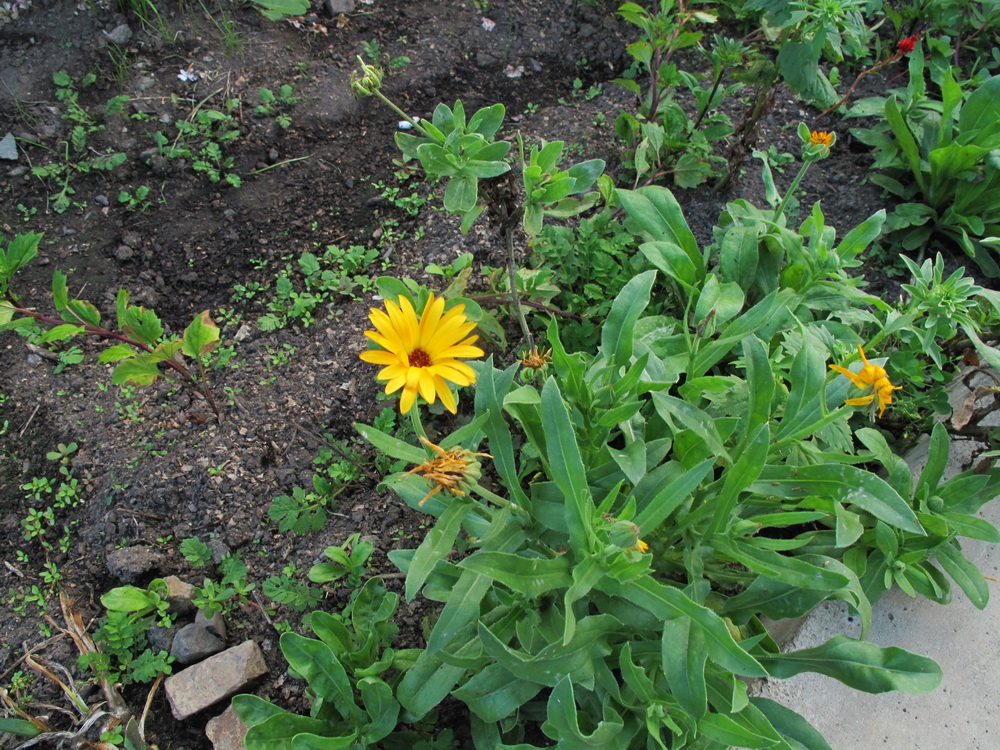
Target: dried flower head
536, 359
455, 470
420, 354
873, 379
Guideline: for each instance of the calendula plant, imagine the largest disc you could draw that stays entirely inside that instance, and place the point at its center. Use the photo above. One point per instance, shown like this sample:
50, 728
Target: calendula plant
597, 598
936, 157
142, 349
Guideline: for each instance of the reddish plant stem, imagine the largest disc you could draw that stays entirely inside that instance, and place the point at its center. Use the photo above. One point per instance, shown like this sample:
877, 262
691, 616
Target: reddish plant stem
105, 333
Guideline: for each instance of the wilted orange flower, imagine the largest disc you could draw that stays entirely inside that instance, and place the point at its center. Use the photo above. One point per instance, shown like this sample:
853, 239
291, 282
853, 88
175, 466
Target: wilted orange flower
536, 359
455, 470
421, 354
873, 379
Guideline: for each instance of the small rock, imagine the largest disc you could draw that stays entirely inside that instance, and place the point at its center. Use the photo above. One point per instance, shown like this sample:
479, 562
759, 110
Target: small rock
101, 200
123, 253
8, 148
194, 642
119, 34
245, 331
226, 731
215, 624
219, 550
179, 595
161, 638
143, 83
336, 7
128, 563
217, 678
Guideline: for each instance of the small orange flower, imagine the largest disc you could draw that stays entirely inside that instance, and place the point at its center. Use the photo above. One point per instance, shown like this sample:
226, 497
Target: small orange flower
640, 546
821, 138
455, 470
873, 379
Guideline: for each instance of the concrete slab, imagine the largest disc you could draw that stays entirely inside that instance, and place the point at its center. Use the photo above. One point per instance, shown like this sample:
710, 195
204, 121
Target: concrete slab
962, 714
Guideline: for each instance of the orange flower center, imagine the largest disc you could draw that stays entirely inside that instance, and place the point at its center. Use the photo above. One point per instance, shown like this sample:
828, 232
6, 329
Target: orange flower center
419, 358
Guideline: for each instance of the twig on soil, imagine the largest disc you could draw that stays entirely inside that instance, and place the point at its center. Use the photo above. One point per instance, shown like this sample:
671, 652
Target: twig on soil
145, 708
28, 652
13, 570
336, 448
44, 353
140, 513
21, 433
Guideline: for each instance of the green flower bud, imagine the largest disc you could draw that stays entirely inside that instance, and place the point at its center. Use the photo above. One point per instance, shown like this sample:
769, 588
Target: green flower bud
366, 81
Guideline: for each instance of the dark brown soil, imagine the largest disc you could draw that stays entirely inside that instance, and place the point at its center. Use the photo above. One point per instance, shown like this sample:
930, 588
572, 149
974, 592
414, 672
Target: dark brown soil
155, 466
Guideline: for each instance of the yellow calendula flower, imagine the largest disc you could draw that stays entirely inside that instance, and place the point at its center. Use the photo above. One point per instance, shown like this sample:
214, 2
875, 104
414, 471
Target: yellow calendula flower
640, 546
872, 378
421, 354
455, 470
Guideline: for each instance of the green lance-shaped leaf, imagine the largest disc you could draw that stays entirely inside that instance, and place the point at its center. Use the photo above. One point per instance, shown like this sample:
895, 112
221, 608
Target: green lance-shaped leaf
389, 445
654, 511
566, 466
436, 546
277, 732
667, 602
563, 725
653, 212
966, 575
22, 727
532, 577
847, 484
201, 336
576, 659
781, 567
319, 665
683, 655
492, 385
495, 692
795, 730
619, 329
860, 665
731, 733
382, 708
253, 710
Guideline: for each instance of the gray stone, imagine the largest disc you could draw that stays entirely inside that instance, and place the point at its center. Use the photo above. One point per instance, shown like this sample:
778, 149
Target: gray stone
119, 34
219, 550
336, 7
215, 624
161, 638
8, 147
179, 595
128, 563
226, 731
194, 642
217, 678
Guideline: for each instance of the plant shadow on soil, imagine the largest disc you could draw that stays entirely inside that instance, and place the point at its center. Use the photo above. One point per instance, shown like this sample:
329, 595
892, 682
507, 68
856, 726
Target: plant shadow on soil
145, 453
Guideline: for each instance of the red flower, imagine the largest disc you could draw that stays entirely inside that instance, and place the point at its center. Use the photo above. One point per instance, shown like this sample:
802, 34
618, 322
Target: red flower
906, 46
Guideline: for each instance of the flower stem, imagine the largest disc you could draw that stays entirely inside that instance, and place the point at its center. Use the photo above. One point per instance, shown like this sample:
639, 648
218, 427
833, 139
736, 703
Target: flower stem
791, 189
